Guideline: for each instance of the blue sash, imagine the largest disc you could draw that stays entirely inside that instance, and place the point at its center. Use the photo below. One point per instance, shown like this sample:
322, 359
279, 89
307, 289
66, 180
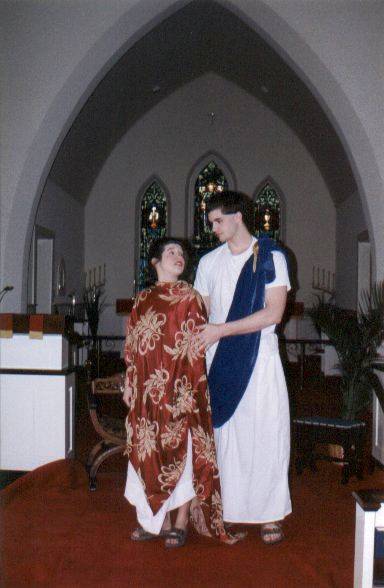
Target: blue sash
236, 356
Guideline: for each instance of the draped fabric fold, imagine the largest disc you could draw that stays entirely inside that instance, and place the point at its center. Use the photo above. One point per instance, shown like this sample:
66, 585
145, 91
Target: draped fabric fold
169, 400
236, 356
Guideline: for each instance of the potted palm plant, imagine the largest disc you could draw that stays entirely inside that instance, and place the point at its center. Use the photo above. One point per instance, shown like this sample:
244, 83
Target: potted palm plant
94, 305
356, 338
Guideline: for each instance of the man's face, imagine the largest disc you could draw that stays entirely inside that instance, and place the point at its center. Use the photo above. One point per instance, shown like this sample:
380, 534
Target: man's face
225, 226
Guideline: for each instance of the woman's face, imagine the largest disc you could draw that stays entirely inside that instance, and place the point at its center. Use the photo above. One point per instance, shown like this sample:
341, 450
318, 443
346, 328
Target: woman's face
172, 263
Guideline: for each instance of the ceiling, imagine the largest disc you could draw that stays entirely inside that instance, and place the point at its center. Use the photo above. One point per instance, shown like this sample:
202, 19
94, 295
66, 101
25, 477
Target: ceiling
201, 37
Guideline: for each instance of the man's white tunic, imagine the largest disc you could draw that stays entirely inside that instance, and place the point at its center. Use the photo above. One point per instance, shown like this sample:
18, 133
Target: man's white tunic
253, 446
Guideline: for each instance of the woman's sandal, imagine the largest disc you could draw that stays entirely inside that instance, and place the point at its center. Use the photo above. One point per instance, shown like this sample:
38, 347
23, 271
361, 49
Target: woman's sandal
176, 538
270, 529
140, 534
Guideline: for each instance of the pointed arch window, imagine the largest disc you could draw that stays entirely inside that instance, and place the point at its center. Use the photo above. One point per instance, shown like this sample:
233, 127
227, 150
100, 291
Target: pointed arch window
268, 212
209, 180
153, 224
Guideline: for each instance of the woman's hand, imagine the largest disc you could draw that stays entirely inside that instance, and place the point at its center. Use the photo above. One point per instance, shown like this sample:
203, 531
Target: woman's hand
208, 335
127, 396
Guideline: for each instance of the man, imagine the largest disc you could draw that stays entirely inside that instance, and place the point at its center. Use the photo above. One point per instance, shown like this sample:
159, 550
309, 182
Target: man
244, 284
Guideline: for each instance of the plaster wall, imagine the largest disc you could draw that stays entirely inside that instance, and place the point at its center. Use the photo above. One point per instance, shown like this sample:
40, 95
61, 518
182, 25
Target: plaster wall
168, 141
53, 55
350, 224
64, 216
347, 37
40, 43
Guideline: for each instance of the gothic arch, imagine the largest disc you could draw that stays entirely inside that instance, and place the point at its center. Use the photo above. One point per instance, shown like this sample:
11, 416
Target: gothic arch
33, 171
191, 181
154, 179
276, 187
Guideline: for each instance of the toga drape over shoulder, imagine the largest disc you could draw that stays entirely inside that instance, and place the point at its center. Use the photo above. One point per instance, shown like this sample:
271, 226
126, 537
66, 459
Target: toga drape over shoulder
168, 398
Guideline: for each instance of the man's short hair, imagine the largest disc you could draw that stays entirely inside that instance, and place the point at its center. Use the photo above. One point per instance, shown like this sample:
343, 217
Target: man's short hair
230, 202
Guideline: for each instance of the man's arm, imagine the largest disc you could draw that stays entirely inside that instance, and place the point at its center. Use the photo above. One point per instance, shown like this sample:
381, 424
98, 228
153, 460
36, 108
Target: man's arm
272, 313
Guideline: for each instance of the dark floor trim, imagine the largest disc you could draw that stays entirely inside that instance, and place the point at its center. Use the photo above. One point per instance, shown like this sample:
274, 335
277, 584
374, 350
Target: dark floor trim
9, 476
27, 372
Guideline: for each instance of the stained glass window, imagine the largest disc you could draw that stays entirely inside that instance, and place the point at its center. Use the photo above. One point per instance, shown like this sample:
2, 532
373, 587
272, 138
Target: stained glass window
209, 180
267, 212
153, 224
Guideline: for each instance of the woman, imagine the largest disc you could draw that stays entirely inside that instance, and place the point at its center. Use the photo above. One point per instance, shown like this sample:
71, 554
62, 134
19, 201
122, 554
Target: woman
172, 460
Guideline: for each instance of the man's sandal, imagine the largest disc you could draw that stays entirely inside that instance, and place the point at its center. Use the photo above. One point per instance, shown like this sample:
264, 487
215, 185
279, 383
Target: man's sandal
271, 533
141, 534
176, 538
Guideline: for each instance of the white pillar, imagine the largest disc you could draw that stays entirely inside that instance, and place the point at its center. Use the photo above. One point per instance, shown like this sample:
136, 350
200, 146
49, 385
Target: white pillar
364, 547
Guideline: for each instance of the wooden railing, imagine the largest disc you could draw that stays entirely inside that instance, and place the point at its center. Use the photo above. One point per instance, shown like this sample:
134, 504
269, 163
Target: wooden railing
102, 345
304, 348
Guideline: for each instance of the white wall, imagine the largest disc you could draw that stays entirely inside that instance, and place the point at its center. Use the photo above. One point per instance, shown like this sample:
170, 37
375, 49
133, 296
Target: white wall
350, 224
53, 54
347, 36
168, 141
64, 216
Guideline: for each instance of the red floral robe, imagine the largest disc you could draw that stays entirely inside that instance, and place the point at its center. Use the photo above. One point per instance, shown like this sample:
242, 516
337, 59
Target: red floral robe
168, 397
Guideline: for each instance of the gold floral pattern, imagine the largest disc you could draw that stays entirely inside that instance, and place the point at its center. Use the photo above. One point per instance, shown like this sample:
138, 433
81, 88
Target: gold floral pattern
141, 296
184, 400
147, 331
181, 292
170, 475
186, 344
155, 385
204, 445
129, 429
173, 434
217, 513
166, 389
146, 433
198, 519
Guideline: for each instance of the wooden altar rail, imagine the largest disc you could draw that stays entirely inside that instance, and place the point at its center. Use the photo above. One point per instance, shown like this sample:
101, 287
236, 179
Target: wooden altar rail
303, 344
96, 344
102, 341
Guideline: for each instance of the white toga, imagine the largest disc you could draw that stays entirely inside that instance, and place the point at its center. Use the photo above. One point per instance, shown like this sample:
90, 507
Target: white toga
253, 446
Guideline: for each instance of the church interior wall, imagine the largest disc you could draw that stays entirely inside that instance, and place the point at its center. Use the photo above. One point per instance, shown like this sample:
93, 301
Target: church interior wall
61, 214
39, 98
168, 141
41, 43
350, 223
347, 35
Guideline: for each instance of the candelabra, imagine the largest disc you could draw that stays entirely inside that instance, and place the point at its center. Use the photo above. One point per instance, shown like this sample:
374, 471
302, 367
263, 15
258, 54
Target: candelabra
95, 277
323, 281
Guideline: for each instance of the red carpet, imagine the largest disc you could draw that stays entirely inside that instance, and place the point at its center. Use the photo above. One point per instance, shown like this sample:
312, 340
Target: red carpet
56, 533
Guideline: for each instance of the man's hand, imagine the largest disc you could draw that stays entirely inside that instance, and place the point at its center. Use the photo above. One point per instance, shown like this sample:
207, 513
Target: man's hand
208, 335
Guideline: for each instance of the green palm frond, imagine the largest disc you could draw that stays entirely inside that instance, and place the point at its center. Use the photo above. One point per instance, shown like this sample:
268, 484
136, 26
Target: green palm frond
355, 337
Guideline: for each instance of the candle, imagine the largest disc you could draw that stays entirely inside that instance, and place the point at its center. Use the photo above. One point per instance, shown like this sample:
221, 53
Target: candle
318, 276
94, 276
313, 276
323, 282
99, 274
104, 273
329, 280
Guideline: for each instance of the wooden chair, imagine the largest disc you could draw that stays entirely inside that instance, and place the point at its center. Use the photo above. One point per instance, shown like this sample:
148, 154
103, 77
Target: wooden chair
111, 429
310, 431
